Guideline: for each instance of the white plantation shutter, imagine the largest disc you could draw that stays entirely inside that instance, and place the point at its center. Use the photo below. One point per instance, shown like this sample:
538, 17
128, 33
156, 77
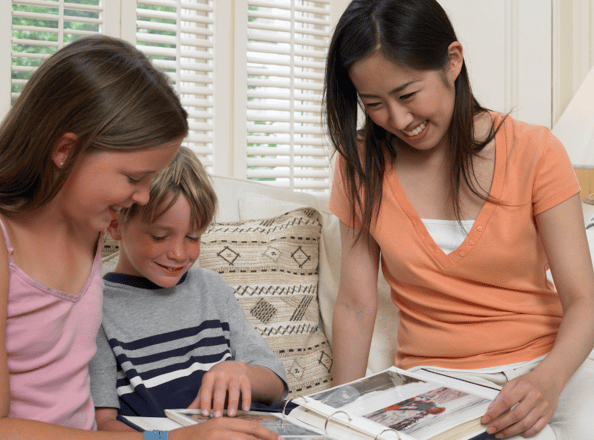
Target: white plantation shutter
258, 117
286, 42
178, 36
41, 27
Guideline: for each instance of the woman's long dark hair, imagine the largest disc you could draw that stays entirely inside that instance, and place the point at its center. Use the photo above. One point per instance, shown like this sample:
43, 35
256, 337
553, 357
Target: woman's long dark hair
415, 34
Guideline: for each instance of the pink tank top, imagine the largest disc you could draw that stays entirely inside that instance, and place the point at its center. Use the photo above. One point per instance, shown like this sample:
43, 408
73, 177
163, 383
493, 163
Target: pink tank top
50, 339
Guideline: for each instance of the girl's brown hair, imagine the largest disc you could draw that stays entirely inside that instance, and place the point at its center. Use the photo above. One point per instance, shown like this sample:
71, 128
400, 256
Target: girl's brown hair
99, 88
411, 33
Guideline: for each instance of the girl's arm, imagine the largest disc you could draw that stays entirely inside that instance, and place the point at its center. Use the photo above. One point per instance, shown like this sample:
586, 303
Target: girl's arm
106, 419
216, 429
356, 305
22, 429
563, 234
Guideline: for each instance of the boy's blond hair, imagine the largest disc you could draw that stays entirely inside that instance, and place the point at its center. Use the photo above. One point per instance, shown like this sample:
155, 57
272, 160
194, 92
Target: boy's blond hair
185, 175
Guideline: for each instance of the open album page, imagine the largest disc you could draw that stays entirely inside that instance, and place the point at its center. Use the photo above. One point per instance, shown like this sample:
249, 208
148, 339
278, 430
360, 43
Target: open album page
406, 402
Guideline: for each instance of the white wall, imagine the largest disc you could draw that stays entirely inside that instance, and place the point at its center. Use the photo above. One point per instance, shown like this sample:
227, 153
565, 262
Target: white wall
508, 51
573, 49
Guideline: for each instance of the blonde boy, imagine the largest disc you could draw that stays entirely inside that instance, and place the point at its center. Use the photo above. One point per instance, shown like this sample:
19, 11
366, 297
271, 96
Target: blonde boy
173, 335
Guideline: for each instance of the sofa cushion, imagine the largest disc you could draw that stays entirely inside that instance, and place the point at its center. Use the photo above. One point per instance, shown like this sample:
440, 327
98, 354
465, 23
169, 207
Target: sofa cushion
272, 265
385, 337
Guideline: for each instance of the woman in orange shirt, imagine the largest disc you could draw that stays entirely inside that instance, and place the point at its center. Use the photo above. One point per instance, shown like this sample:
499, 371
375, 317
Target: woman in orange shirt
468, 210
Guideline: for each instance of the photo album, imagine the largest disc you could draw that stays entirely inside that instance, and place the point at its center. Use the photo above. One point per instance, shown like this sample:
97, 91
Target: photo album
421, 404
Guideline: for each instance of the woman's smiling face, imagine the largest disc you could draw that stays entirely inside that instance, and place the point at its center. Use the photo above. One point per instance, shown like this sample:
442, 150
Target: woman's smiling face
414, 105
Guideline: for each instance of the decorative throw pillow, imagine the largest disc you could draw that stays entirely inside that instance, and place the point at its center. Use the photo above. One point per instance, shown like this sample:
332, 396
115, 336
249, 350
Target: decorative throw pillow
272, 265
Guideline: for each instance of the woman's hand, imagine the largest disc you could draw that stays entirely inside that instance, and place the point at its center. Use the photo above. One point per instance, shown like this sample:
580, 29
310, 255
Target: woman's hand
524, 406
226, 381
224, 428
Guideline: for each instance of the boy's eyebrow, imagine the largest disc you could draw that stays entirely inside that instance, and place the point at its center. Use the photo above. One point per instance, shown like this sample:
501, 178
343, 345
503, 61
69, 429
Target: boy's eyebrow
394, 90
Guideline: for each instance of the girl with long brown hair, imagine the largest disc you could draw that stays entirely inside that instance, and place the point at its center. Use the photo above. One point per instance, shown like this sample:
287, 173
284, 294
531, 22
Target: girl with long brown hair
94, 123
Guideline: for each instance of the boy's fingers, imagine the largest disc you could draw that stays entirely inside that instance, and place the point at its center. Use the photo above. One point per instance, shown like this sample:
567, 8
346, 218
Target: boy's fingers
218, 397
195, 403
205, 395
233, 395
246, 394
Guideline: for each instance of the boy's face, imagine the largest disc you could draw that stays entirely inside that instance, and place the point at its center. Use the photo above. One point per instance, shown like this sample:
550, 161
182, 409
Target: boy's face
161, 251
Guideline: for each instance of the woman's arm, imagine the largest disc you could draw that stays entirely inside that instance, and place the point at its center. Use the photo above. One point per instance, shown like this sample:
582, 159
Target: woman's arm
356, 305
563, 234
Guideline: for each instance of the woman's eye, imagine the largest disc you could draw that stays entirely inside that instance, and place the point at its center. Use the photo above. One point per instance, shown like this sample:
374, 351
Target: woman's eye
407, 96
193, 238
132, 180
158, 237
372, 106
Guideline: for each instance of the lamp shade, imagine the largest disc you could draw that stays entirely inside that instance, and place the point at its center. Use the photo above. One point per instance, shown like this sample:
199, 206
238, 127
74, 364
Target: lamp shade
575, 128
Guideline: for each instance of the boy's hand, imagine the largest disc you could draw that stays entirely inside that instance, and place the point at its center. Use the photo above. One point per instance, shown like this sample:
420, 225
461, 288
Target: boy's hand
228, 381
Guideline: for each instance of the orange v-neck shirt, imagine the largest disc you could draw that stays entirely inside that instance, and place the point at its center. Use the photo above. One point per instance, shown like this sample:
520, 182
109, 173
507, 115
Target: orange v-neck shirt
488, 302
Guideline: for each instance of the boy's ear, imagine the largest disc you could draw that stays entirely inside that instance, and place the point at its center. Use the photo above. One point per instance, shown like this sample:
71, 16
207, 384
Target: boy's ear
114, 230
62, 149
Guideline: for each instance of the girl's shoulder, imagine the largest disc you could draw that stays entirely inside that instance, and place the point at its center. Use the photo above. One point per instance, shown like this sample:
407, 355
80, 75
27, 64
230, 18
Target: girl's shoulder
4, 247
4, 276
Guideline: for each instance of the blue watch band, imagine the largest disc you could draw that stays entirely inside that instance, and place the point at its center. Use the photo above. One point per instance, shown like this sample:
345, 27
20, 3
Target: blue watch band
156, 435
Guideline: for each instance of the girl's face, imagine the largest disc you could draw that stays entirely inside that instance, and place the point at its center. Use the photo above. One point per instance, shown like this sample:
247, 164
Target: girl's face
414, 105
103, 182
161, 251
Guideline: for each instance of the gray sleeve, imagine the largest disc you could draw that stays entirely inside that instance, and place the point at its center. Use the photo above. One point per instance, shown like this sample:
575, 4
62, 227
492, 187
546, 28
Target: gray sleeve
247, 345
102, 370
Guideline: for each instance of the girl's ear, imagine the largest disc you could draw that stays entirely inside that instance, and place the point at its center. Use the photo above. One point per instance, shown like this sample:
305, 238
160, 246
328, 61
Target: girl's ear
63, 148
456, 55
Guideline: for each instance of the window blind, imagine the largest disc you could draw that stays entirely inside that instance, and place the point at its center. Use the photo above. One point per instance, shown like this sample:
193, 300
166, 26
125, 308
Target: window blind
286, 42
178, 36
41, 27
262, 108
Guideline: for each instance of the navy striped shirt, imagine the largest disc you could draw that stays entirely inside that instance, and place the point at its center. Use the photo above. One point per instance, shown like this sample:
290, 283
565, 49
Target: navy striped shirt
155, 344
